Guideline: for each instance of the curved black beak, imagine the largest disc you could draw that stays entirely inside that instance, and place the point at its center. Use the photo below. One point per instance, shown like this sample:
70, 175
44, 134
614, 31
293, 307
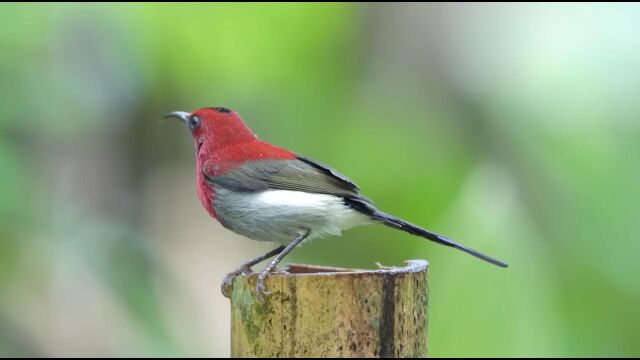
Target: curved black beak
180, 115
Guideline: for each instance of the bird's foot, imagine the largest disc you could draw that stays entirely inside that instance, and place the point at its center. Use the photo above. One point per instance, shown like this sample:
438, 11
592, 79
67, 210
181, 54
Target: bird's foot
227, 283
261, 290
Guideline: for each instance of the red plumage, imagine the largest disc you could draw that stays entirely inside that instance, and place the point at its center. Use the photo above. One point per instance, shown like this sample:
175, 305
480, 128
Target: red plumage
223, 143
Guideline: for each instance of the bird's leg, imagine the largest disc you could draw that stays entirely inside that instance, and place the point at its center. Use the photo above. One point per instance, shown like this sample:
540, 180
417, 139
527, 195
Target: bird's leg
261, 290
246, 269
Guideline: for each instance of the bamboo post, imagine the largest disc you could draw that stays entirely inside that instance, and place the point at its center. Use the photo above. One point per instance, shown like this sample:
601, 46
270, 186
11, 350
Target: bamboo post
330, 312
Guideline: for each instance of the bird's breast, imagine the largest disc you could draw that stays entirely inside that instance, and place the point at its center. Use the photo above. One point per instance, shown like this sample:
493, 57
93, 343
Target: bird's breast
206, 195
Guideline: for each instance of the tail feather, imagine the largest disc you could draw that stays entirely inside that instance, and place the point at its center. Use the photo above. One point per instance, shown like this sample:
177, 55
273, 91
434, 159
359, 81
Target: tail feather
400, 224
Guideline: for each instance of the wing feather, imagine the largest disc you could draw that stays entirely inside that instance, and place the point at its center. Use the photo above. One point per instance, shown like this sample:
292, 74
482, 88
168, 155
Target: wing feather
299, 174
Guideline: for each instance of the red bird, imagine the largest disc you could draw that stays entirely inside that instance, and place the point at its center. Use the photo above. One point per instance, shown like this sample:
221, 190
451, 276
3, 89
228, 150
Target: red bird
268, 193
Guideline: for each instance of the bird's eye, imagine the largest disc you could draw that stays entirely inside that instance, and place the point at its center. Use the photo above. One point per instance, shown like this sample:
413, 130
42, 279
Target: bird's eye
194, 122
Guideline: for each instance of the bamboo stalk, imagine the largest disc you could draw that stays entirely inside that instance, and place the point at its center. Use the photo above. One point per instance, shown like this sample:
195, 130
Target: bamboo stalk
330, 312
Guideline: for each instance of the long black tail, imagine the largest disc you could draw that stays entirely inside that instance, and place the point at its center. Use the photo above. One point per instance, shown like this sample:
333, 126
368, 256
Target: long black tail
399, 224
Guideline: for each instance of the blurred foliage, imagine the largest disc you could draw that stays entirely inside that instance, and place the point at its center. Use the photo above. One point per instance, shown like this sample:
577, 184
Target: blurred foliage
513, 129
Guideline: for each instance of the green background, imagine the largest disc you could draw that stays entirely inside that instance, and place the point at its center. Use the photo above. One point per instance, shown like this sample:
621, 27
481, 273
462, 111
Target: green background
511, 128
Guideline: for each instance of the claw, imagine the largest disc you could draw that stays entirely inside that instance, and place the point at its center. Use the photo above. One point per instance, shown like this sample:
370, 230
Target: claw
227, 283
261, 289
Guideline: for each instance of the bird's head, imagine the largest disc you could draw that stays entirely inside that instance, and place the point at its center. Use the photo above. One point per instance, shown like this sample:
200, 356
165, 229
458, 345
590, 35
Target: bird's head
214, 127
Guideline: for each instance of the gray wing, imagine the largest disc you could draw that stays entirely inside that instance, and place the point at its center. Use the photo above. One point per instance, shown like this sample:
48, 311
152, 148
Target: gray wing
300, 174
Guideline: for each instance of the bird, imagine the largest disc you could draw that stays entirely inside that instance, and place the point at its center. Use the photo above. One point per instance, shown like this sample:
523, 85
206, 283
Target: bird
268, 193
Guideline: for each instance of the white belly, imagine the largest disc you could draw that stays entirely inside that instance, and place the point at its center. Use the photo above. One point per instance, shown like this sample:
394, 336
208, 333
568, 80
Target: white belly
280, 215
